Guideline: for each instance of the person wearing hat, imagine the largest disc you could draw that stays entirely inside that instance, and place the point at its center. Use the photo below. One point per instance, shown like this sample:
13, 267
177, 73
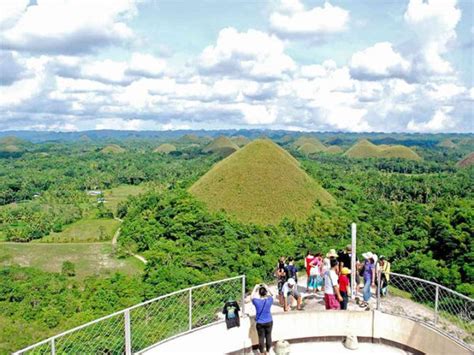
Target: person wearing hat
344, 287
369, 276
290, 289
331, 255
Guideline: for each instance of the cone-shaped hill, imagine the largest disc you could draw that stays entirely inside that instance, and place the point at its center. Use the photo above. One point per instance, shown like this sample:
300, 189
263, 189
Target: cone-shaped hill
309, 148
165, 148
301, 141
466, 161
240, 140
113, 149
366, 149
447, 143
260, 183
221, 145
334, 149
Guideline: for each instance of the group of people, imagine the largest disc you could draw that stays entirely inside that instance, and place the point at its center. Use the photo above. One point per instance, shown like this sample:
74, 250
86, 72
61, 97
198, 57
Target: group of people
330, 274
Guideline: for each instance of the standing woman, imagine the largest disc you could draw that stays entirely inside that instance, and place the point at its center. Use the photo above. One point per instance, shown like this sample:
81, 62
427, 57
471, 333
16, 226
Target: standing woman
307, 264
262, 300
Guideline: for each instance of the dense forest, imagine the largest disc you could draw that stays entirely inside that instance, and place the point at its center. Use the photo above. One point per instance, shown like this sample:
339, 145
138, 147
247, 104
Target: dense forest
419, 213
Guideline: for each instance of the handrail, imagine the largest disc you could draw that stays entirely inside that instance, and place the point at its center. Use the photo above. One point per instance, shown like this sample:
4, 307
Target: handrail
126, 311
434, 284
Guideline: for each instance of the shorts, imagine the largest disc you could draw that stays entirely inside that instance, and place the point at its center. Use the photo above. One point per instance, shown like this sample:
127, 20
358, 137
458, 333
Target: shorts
293, 293
280, 287
331, 302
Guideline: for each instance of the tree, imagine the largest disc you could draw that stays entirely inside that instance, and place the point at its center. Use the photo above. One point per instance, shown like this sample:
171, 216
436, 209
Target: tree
68, 269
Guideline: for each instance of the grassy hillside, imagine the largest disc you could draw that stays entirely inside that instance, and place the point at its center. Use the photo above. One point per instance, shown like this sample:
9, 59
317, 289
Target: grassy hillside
466, 161
165, 148
334, 149
309, 148
113, 149
221, 145
311, 140
447, 143
260, 183
89, 259
240, 140
366, 149
85, 230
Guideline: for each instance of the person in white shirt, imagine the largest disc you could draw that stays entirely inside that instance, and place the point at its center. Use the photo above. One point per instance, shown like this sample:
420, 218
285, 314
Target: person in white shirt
290, 289
332, 296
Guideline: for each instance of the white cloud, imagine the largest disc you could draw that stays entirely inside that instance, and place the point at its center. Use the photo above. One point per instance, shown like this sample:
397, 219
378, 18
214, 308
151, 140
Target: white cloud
440, 122
68, 26
11, 11
124, 124
434, 22
146, 65
292, 20
253, 54
378, 61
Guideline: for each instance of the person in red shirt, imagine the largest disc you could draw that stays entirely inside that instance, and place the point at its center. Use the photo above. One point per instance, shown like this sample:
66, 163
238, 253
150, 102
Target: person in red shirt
307, 264
344, 287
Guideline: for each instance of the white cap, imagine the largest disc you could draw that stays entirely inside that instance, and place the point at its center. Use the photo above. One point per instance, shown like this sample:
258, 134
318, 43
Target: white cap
368, 255
291, 281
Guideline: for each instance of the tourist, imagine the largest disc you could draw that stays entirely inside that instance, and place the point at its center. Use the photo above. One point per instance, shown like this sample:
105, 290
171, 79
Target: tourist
344, 257
384, 266
344, 288
316, 273
281, 275
368, 270
332, 296
291, 270
307, 264
326, 262
262, 300
290, 293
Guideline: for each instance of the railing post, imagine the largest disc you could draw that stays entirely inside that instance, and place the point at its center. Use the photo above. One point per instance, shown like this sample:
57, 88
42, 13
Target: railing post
128, 334
190, 308
243, 295
53, 347
436, 305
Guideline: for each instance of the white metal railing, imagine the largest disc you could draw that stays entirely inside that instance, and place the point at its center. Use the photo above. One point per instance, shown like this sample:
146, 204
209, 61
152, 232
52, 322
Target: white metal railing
144, 325
445, 309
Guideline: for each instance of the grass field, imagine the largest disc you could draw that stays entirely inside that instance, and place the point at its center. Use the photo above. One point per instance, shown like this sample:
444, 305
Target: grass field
85, 230
120, 193
260, 183
366, 149
89, 259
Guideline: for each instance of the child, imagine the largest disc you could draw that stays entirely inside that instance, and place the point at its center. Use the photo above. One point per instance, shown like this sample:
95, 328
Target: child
344, 287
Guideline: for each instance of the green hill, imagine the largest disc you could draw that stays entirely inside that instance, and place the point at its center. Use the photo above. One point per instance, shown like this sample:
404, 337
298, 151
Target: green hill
10, 148
221, 145
366, 149
466, 161
189, 138
447, 143
165, 148
240, 140
12, 140
113, 149
260, 183
309, 148
311, 140
334, 149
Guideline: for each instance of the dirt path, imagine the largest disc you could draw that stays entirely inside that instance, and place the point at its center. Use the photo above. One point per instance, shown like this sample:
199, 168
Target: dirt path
115, 238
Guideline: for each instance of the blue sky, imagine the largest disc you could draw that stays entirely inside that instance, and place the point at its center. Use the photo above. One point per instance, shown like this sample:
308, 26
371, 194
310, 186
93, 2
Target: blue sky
392, 66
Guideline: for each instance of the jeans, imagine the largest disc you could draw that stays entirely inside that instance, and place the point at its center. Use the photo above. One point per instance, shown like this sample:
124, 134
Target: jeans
264, 331
366, 289
345, 299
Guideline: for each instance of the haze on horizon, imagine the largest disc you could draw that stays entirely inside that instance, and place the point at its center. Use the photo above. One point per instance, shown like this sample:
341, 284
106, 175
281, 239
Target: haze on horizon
339, 65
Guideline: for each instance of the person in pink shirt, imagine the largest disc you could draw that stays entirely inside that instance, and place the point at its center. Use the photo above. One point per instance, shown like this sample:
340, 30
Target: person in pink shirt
307, 264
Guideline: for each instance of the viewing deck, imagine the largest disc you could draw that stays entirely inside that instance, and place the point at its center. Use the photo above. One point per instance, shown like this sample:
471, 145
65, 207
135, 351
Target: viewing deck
417, 316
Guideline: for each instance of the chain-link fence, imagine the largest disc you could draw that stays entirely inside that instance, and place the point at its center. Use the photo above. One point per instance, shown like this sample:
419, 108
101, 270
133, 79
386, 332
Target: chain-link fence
149, 323
433, 304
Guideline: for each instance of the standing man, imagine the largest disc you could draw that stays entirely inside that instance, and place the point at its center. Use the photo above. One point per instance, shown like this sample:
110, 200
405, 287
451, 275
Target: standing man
332, 296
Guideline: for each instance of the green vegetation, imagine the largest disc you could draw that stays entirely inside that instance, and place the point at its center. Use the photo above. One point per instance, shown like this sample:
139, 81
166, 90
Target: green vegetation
419, 213
221, 145
366, 149
165, 148
447, 143
85, 230
112, 149
260, 183
334, 149
88, 258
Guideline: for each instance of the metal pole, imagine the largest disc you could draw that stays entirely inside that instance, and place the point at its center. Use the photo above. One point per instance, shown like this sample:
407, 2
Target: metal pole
436, 305
190, 309
353, 260
243, 295
128, 334
53, 347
